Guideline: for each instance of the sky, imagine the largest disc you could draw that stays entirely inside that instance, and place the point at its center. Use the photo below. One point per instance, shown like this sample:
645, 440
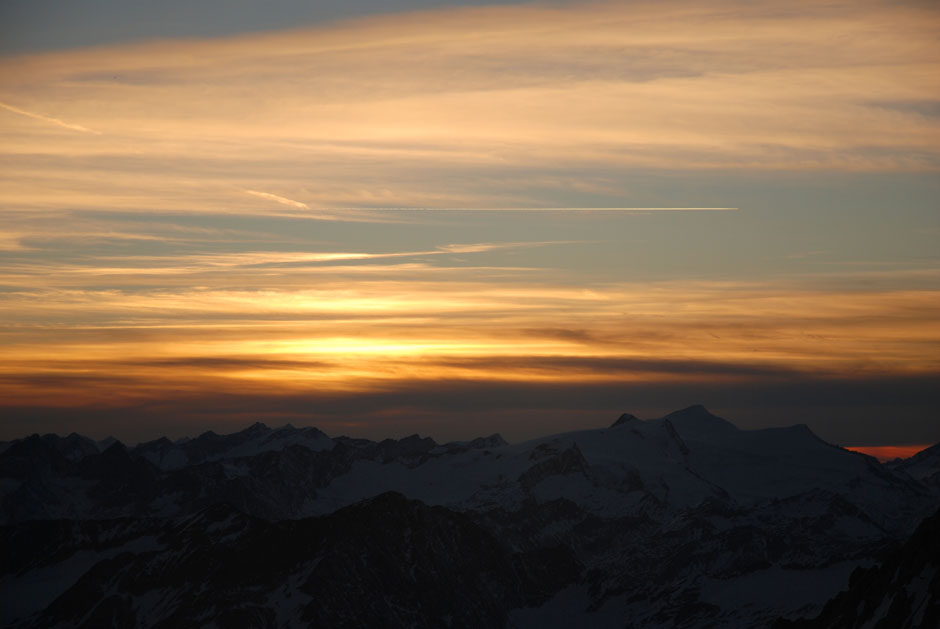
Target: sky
458, 218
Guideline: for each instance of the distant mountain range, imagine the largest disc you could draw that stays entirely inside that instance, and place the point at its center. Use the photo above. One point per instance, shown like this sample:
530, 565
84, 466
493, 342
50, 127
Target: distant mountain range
683, 521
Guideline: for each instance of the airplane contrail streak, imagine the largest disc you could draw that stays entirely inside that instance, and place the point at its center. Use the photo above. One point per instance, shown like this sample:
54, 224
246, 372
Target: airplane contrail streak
543, 209
49, 119
278, 199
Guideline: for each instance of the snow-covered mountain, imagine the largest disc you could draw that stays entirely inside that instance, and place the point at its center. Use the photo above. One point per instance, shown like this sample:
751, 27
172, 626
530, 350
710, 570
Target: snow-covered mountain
679, 521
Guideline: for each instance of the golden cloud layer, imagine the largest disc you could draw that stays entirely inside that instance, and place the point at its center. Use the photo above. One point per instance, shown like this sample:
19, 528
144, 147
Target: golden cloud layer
70, 344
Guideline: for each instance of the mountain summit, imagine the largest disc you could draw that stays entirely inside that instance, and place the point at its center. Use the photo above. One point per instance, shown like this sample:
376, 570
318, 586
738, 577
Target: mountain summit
626, 418
697, 422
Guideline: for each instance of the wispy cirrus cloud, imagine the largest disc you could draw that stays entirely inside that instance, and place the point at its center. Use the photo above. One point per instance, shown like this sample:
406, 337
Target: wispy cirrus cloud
12, 241
50, 272
453, 108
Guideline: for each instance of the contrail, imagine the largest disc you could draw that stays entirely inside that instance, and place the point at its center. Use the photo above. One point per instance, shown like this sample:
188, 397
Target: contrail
304, 206
278, 199
542, 209
49, 119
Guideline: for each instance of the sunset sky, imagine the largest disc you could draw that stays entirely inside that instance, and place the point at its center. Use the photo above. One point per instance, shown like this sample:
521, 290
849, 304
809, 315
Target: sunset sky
382, 218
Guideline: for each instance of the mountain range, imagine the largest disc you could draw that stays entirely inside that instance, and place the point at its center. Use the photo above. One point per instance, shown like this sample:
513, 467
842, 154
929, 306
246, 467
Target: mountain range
682, 521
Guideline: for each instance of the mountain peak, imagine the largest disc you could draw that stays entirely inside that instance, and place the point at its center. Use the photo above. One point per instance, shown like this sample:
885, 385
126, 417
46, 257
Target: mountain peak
256, 428
116, 449
493, 441
695, 409
927, 453
697, 421
623, 419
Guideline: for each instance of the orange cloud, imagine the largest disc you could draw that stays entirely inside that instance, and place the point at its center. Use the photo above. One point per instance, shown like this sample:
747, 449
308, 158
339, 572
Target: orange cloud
368, 335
